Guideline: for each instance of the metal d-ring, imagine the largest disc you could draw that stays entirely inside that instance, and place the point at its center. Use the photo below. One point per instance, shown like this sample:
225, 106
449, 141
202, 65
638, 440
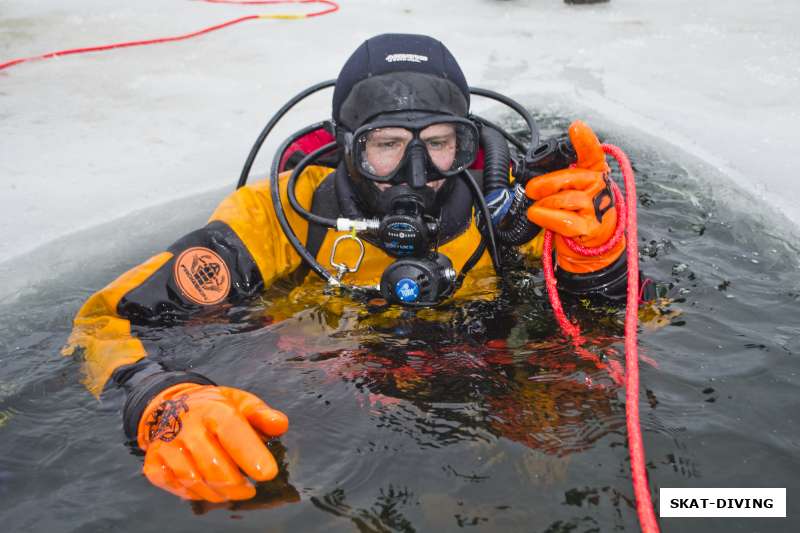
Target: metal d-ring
341, 268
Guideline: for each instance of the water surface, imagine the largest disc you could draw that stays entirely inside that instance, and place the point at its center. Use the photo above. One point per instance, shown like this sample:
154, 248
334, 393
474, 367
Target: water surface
476, 416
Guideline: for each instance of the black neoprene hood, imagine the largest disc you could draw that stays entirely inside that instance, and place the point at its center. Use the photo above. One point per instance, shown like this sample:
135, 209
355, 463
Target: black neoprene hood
398, 72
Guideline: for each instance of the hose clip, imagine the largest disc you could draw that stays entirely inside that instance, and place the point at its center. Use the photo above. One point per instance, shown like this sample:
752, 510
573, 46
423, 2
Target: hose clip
342, 268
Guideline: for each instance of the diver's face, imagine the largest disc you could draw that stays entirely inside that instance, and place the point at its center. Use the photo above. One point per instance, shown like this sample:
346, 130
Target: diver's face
386, 147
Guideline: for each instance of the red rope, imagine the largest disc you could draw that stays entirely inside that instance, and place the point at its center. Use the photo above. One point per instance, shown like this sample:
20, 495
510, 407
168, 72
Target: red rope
333, 7
611, 366
626, 220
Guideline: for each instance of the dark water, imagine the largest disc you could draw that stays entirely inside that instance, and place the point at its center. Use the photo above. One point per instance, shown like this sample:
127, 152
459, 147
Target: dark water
479, 416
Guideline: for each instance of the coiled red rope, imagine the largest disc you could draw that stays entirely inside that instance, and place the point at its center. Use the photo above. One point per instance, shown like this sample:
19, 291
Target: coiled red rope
332, 7
626, 222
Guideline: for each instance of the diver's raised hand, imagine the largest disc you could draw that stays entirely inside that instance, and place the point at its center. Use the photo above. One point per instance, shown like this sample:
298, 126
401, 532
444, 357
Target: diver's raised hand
198, 437
577, 202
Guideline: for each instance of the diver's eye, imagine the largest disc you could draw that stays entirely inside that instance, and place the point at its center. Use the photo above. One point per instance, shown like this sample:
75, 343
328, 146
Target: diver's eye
436, 145
440, 143
387, 140
387, 145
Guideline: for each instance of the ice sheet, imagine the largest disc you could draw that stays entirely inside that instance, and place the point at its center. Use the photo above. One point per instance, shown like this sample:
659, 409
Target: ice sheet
90, 138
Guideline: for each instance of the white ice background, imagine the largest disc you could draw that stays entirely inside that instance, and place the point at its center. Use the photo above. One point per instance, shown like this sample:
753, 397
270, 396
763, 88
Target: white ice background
90, 138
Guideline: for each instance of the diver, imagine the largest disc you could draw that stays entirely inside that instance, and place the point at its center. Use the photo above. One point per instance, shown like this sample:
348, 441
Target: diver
404, 193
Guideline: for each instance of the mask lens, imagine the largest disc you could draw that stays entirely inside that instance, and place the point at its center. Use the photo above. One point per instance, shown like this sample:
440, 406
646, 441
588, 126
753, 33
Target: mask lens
382, 150
451, 147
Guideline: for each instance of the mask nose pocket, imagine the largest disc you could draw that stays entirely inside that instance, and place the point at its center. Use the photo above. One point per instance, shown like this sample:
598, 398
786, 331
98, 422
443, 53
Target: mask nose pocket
418, 171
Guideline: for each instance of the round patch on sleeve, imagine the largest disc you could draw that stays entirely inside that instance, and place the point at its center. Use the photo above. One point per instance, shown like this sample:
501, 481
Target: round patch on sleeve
202, 276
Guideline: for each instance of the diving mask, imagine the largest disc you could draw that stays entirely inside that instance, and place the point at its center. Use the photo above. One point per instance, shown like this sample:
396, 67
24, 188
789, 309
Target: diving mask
428, 146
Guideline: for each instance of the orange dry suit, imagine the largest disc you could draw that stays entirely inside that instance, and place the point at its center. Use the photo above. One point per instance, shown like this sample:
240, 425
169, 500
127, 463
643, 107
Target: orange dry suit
240, 252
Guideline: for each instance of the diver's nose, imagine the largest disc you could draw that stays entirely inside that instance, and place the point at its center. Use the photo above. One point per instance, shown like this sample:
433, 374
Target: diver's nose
417, 178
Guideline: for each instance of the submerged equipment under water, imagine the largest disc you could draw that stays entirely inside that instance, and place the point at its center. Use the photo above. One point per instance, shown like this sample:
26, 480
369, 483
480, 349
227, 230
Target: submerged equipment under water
424, 277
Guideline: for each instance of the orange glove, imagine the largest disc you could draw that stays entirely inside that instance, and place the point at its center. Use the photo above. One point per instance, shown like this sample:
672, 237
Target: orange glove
196, 437
578, 203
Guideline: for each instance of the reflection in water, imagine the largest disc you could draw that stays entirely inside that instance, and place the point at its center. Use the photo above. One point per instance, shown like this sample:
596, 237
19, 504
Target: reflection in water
473, 373
384, 515
538, 393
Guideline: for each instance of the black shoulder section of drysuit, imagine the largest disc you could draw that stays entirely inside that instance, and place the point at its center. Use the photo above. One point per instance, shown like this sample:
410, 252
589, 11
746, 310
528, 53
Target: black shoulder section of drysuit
159, 301
325, 204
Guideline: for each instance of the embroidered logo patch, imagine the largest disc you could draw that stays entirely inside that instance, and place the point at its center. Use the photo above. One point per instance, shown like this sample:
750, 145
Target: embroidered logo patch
411, 58
202, 276
165, 422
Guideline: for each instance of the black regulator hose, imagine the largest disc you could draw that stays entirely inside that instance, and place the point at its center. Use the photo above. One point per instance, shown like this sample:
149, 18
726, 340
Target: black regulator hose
497, 159
248, 164
515, 229
469, 264
275, 192
520, 146
518, 230
516, 106
486, 214
301, 166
